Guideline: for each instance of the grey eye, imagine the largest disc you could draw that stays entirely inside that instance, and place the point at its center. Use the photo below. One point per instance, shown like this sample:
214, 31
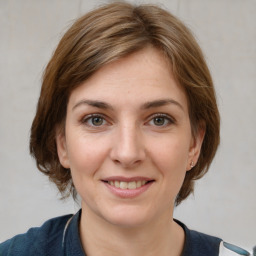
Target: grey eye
159, 121
97, 121
94, 120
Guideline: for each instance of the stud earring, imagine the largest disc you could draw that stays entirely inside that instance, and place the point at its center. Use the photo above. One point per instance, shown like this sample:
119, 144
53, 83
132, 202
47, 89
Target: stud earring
192, 164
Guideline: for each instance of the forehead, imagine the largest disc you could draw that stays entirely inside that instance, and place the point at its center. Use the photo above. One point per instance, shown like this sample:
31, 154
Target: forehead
145, 75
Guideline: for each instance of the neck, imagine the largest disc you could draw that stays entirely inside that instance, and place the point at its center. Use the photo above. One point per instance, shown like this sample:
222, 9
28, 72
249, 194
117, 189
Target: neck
161, 237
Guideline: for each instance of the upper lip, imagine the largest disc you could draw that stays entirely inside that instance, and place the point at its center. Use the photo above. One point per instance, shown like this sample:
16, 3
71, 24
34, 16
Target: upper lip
127, 179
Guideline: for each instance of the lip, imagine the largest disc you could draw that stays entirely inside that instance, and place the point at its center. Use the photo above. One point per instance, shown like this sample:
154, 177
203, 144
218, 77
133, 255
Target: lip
127, 179
127, 193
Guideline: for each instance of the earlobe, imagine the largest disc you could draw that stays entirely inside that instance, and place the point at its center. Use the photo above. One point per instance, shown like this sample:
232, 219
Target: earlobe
62, 150
195, 147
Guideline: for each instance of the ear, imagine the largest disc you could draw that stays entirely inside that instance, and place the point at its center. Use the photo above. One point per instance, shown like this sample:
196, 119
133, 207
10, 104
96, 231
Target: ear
62, 148
195, 146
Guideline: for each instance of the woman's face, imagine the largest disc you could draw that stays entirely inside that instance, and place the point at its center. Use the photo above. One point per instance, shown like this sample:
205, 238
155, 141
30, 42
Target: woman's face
128, 140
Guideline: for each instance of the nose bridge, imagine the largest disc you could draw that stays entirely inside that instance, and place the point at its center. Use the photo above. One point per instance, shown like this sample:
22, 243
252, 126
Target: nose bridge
128, 148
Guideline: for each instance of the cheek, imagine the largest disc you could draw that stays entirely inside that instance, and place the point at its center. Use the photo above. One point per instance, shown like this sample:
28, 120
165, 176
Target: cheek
85, 153
170, 159
171, 154
86, 157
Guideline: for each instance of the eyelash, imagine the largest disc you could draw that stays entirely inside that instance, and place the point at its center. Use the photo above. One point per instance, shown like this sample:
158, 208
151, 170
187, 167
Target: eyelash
90, 117
87, 118
166, 117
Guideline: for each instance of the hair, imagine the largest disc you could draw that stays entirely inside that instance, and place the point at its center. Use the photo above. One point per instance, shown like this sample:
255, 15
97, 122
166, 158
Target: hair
101, 36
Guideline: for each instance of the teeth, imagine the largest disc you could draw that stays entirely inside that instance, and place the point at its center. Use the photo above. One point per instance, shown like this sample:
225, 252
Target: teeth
132, 185
123, 185
127, 185
116, 184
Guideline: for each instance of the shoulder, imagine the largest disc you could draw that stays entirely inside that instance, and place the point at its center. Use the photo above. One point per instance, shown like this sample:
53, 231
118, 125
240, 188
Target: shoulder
37, 241
216, 246
200, 244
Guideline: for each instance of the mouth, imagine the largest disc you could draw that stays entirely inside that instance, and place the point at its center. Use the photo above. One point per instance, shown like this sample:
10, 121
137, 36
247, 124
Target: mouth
124, 187
128, 185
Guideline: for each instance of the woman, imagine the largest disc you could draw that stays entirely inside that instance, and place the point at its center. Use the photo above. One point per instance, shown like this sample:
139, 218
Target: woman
127, 118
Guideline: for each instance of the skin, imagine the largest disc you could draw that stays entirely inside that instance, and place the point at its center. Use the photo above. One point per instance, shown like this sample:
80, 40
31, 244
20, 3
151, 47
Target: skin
141, 127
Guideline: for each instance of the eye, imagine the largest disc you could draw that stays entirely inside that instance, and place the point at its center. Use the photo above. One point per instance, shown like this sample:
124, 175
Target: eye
94, 120
161, 120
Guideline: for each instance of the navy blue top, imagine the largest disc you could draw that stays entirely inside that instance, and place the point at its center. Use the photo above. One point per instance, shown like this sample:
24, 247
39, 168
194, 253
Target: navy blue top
60, 237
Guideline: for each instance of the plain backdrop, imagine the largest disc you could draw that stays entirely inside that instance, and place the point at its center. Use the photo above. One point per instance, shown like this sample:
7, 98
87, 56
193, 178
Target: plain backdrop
224, 202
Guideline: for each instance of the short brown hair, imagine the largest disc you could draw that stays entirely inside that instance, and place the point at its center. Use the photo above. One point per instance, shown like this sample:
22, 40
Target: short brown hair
106, 34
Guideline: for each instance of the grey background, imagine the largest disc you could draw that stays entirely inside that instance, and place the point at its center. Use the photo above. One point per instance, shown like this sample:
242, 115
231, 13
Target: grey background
224, 201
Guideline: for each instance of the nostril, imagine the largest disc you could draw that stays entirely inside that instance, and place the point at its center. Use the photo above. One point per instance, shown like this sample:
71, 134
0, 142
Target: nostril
127, 162
117, 161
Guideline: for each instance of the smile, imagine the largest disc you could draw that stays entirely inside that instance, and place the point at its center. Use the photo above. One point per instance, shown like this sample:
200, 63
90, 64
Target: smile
127, 185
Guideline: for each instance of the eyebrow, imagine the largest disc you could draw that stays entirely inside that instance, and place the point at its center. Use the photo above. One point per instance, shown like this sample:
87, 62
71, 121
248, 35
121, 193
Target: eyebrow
147, 105
94, 103
160, 103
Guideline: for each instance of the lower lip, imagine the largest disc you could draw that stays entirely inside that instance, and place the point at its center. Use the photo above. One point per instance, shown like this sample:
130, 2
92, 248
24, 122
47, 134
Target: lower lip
128, 193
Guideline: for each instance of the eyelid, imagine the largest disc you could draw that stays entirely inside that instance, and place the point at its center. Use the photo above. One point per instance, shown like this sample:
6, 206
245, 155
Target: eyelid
167, 116
84, 119
161, 115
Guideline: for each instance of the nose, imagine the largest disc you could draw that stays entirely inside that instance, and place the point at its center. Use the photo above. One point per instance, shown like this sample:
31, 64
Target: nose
128, 149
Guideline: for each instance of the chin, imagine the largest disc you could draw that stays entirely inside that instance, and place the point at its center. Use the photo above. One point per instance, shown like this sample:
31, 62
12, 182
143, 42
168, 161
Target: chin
128, 217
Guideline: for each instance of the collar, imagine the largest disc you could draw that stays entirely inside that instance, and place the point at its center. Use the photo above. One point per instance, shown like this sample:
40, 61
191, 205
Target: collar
71, 243
199, 244
196, 243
